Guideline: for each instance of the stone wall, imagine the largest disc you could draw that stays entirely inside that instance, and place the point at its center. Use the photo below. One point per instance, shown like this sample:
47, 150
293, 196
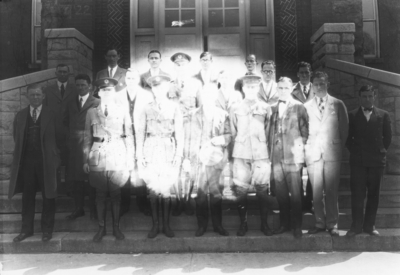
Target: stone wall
333, 53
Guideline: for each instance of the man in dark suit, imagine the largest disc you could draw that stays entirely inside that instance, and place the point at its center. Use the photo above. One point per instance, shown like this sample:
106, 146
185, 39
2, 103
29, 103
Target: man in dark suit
302, 92
370, 135
57, 98
35, 162
74, 120
287, 136
207, 75
268, 87
154, 59
251, 66
112, 57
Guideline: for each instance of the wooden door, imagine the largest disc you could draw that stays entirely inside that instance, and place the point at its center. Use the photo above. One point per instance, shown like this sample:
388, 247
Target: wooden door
224, 33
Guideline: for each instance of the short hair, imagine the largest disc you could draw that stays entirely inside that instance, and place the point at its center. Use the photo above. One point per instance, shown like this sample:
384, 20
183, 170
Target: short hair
367, 88
62, 65
252, 55
268, 62
285, 79
83, 77
111, 49
320, 74
154, 51
303, 64
34, 86
203, 54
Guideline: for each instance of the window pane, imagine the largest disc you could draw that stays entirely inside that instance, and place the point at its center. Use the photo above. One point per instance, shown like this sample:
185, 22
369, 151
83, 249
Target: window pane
145, 14
368, 7
369, 38
170, 4
258, 16
188, 18
215, 3
38, 37
170, 16
188, 3
231, 18
231, 3
215, 18
38, 11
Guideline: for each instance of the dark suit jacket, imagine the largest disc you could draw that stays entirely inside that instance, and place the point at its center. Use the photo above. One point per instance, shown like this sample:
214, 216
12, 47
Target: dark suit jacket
51, 154
58, 105
273, 95
118, 75
298, 94
145, 76
74, 120
368, 141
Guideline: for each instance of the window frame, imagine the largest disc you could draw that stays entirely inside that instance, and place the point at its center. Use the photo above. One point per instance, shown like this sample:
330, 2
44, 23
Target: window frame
34, 26
375, 20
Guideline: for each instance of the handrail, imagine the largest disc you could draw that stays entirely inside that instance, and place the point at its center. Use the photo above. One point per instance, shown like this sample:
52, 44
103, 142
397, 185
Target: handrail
364, 72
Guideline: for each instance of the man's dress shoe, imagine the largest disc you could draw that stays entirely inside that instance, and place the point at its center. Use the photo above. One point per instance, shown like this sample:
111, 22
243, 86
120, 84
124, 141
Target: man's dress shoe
316, 230
76, 214
373, 232
281, 230
46, 237
334, 232
297, 233
21, 237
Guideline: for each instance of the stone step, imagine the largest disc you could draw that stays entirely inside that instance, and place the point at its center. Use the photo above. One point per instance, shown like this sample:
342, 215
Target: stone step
389, 182
66, 204
135, 221
184, 242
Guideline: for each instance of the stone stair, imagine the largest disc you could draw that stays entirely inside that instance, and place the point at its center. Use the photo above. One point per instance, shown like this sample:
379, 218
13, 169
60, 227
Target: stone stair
76, 236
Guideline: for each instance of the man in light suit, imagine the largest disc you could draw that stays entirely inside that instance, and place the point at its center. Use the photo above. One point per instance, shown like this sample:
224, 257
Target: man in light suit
112, 57
57, 97
74, 120
268, 88
207, 76
154, 59
287, 137
35, 162
303, 93
328, 129
370, 135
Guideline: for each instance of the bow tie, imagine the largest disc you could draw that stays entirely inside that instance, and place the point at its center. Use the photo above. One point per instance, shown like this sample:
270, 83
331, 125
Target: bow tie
282, 101
368, 109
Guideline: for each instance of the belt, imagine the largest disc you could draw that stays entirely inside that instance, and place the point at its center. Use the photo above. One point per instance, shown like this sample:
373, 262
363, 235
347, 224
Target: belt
161, 135
97, 139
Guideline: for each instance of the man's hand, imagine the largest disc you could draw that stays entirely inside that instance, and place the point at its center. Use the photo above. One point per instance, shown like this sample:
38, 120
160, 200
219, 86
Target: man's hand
86, 168
218, 141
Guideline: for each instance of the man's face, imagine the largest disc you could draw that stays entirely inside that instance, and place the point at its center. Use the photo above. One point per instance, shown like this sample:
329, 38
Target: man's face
320, 86
112, 58
62, 74
107, 94
160, 91
268, 72
82, 86
251, 63
206, 62
284, 90
132, 78
251, 90
304, 74
154, 60
181, 67
35, 97
367, 99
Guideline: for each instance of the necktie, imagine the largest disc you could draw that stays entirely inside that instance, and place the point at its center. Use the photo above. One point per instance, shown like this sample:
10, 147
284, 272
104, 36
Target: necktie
368, 109
62, 89
81, 103
34, 115
321, 105
111, 72
106, 111
305, 91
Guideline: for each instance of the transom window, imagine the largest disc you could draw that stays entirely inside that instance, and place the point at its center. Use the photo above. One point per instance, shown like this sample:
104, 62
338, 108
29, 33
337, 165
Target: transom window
36, 31
180, 13
223, 13
370, 28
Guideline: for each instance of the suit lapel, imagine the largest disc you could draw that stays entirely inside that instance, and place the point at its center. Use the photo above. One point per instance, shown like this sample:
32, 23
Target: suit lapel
262, 93
57, 92
298, 93
87, 104
328, 108
44, 121
316, 109
68, 91
272, 91
24, 115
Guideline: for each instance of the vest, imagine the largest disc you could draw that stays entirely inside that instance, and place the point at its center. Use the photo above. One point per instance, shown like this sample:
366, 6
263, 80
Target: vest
33, 144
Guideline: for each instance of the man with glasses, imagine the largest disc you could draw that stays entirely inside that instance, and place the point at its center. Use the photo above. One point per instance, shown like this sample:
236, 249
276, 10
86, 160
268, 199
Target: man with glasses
268, 90
251, 66
328, 129
206, 75
302, 92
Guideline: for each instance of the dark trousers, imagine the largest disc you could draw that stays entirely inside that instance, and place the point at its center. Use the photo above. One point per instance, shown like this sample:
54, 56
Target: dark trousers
126, 195
80, 189
209, 183
364, 182
307, 196
33, 180
141, 194
287, 191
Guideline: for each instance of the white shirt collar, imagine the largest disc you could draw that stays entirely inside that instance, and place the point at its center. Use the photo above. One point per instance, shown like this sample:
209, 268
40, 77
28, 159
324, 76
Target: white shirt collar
154, 72
325, 98
38, 110
84, 98
114, 70
60, 83
365, 110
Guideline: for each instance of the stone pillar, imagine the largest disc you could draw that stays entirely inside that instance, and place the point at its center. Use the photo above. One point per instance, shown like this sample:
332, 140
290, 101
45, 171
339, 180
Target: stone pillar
335, 41
70, 47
